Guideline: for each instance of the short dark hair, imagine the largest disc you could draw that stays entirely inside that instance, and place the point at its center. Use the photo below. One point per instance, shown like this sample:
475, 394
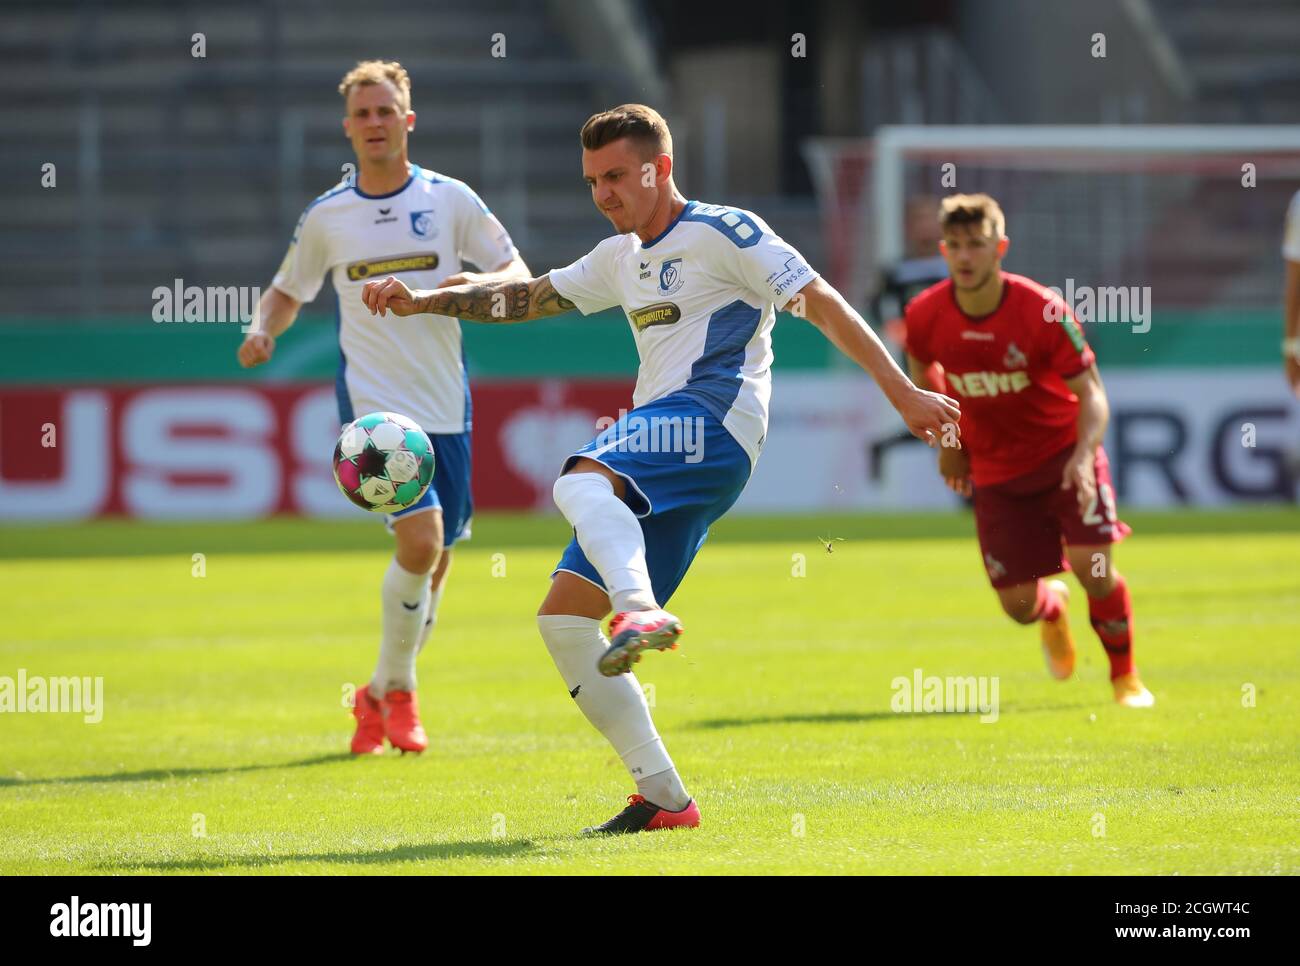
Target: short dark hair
643, 125
979, 210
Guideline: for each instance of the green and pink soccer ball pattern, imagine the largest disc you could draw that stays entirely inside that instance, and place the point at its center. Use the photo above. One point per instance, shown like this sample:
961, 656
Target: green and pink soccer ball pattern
383, 462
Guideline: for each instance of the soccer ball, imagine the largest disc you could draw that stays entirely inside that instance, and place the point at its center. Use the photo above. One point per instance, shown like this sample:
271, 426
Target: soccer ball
383, 462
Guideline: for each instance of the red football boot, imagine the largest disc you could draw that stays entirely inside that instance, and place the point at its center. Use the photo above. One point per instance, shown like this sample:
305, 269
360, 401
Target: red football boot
369, 736
402, 721
635, 631
643, 816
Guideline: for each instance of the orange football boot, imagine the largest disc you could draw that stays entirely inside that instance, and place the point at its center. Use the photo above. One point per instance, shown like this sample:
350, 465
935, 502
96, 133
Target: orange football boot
369, 736
402, 721
1058, 645
1131, 692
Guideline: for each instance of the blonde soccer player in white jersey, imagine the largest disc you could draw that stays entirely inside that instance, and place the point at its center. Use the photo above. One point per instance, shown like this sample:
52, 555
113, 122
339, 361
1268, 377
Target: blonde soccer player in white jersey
395, 218
700, 285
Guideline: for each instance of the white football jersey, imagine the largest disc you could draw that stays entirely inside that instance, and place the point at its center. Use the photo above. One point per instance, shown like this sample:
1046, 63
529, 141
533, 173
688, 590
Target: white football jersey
419, 233
1291, 235
701, 300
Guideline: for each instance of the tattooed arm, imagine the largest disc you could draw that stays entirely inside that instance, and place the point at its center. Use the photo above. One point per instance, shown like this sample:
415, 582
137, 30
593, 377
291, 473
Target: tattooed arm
511, 300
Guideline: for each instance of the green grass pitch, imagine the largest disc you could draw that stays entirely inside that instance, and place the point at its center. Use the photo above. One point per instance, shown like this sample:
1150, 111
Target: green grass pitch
223, 744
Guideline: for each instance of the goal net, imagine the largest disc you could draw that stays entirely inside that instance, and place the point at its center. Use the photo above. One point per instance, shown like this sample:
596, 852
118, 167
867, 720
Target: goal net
1193, 212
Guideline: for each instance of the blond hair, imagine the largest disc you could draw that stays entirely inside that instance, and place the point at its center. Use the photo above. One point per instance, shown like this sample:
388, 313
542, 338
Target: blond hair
979, 210
376, 72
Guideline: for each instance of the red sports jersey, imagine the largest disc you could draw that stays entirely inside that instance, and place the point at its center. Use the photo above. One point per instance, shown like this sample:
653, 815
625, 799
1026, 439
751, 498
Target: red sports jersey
1008, 369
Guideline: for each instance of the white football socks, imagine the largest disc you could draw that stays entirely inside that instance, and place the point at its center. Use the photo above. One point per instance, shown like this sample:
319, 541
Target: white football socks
615, 706
430, 618
405, 598
610, 535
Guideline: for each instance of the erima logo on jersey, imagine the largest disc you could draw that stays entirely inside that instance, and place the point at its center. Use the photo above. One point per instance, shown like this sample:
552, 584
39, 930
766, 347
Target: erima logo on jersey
663, 313
391, 266
989, 383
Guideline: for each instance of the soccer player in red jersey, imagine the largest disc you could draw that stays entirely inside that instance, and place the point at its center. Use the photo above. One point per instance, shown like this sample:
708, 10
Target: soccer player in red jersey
1033, 413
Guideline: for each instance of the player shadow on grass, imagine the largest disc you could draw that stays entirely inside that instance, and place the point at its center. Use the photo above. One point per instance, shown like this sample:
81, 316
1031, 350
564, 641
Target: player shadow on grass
168, 774
861, 717
434, 851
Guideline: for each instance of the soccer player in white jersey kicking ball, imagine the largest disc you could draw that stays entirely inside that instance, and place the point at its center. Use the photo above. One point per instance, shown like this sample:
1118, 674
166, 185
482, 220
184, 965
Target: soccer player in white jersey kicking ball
395, 217
700, 285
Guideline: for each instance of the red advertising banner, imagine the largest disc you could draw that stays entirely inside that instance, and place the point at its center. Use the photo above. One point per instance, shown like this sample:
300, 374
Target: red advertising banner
523, 431
227, 452
243, 452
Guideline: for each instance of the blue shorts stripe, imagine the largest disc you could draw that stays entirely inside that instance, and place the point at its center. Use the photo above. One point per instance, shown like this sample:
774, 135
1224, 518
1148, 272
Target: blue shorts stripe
451, 488
685, 466
346, 415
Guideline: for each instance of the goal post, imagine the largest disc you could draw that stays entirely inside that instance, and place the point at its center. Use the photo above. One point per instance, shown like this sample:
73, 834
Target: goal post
1194, 211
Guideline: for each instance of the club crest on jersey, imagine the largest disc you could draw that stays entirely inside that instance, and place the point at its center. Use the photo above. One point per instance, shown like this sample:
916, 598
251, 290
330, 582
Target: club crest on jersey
1014, 359
670, 276
422, 225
